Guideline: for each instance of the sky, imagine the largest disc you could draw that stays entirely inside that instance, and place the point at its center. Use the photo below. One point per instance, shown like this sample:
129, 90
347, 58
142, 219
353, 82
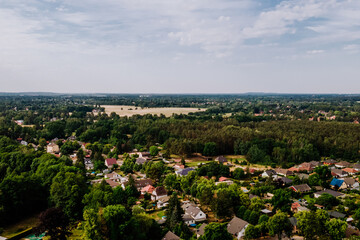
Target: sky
180, 46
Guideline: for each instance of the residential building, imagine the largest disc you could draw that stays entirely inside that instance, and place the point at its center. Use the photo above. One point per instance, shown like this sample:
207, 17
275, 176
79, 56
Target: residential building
140, 160
192, 213
158, 193
184, 172
350, 171
302, 188
201, 230
339, 173
269, 173
147, 189
236, 227
283, 172
52, 148
170, 236
109, 162
328, 191
163, 202
342, 164
221, 159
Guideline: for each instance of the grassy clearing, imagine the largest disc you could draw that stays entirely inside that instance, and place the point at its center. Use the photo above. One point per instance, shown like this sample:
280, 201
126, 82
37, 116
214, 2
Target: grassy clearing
76, 234
124, 110
157, 215
20, 226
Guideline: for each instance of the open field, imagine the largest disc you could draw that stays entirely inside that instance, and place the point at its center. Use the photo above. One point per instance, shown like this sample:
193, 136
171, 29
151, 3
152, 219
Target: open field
26, 223
123, 110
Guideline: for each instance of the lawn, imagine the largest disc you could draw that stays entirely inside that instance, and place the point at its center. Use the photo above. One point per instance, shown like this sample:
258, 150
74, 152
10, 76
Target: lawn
20, 226
157, 215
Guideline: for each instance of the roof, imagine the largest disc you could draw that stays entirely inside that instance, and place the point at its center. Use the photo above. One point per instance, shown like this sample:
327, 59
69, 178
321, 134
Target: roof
336, 182
112, 183
293, 221
336, 214
221, 159
350, 170
349, 181
110, 161
160, 191
201, 229
301, 188
164, 199
221, 179
338, 172
140, 160
270, 172
285, 180
283, 171
192, 211
236, 225
148, 189
295, 205
170, 236
185, 171
356, 165
343, 163
330, 161
331, 192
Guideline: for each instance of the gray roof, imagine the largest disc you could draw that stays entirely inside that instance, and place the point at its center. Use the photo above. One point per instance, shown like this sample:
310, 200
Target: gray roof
285, 180
221, 159
336, 214
331, 192
185, 171
140, 160
201, 229
349, 181
192, 210
170, 236
236, 225
293, 221
302, 188
339, 172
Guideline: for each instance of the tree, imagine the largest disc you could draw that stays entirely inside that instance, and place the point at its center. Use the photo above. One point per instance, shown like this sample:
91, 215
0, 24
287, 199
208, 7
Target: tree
254, 217
54, 222
215, 231
223, 204
336, 228
154, 151
256, 204
281, 200
173, 212
314, 180
239, 173
255, 154
155, 170
92, 226
252, 232
115, 216
100, 195
210, 149
327, 200
279, 224
307, 224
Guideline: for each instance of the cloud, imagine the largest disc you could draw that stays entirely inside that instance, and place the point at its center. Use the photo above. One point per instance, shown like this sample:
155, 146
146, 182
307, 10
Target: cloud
315, 51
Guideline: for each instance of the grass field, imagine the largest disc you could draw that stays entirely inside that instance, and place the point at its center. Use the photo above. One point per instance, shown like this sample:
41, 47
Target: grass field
123, 110
20, 226
157, 215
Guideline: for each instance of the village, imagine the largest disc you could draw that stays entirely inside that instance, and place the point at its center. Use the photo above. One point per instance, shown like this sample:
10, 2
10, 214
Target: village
305, 180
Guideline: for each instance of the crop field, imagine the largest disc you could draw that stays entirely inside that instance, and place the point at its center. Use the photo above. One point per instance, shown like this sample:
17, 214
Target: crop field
123, 110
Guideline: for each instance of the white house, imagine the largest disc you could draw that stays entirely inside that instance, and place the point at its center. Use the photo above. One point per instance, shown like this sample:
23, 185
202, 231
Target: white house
163, 202
192, 214
269, 173
159, 192
52, 148
236, 227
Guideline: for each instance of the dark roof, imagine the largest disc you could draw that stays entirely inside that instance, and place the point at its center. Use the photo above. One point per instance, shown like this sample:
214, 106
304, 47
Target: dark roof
221, 159
185, 171
293, 221
339, 172
140, 160
331, 192
201, 229
302, 187
143, 183
170, 236
270, 172
336, 214
236, 225
160, 191
285, 180
349, 181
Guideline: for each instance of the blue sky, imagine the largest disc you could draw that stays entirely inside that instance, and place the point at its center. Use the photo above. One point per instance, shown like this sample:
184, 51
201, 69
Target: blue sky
180, 46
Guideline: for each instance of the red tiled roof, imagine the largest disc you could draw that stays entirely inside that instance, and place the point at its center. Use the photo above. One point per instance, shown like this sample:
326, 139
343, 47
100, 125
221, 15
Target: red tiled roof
110, 161
221, 179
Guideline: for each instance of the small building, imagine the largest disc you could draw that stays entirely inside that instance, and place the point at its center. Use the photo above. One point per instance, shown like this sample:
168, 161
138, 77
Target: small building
302, 188
52, 148
350, 171
147, 189
329, 162
109, 162
158, 193
269, 173
113, 176
339, 173
342, 164
170, 236
285, 181
336, 214
356, 166
192, 213
306, 166
328, 191
184, 172
350, 183
163, 202
201, 230
221, 159
336, 183
140, 160
283, 172
236, 227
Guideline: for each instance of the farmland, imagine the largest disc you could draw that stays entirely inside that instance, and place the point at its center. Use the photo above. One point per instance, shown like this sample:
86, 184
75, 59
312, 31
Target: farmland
126, 110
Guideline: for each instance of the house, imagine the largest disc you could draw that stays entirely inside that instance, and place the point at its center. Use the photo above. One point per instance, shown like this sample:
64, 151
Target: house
295, 206
315, 163
269, 173
356, 166
339, 173
109, 162
139, 184
236, 227
302, 188
158, 193
221, 159
52, 148
147, 189
350, 183
194, 212
328, 191
140, 160
112, 183
342, 164
302, 176
170, 236
329, 162
145, 155
201, 230
184, 172
226, 180
350, 171
335, 214
163, 202
283, 172
113, 176
285, 181
306, 166
336, 183
293, 222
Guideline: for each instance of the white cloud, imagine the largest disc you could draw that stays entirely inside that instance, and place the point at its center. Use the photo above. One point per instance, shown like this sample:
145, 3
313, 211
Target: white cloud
315, 51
